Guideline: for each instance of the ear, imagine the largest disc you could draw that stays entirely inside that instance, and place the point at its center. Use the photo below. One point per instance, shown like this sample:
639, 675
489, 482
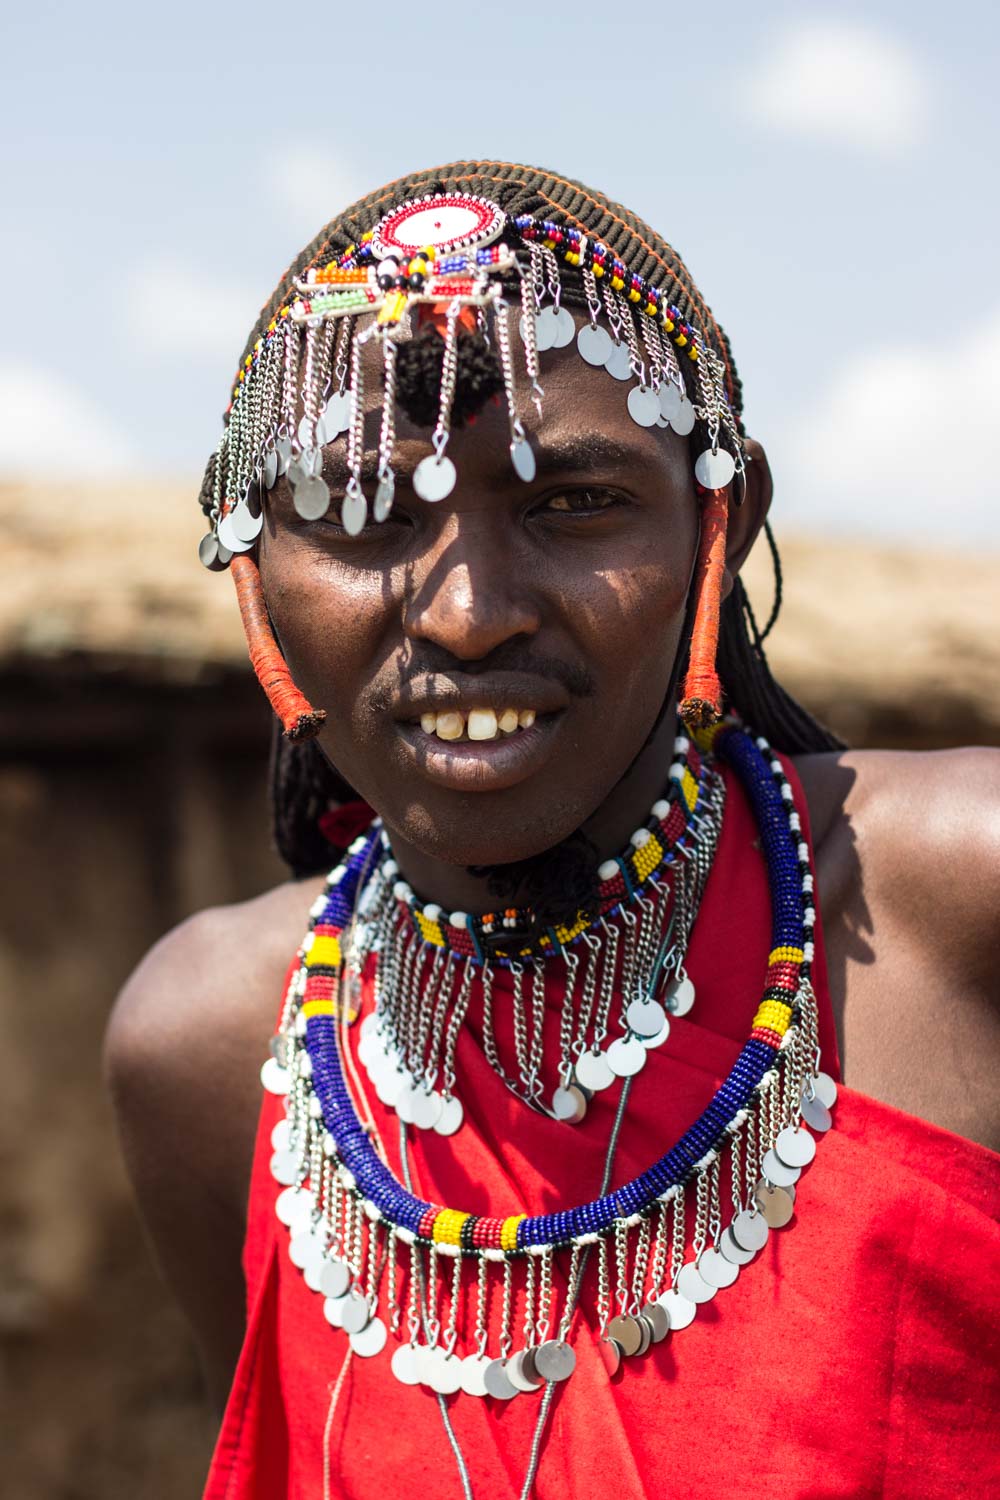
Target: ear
746, 520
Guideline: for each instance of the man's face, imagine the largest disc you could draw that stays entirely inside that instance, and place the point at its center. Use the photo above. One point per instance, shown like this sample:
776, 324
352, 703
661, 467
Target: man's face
564, 598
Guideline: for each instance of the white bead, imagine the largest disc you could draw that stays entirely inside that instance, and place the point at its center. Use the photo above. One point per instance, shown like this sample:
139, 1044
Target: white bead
390, 869
640, 837
608, 870
803, 849
786, 792
306, 1066
633, 1221
402, 891
405, 1235
337, 875
794, 822
347, 1178
372, 1210
590, 1238
777, 767
318, 907
329, 1145
537, 1249
308, 941
493, 1254
357, 846
459, 919
682, 745
315, 1108
300, 1024
432, 912
807, 882
660, 809
448, 1250
676, 771
761, 743
808, 950
671, 1193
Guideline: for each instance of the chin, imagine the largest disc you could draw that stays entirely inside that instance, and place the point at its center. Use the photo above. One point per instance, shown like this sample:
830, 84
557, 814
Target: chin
475, 840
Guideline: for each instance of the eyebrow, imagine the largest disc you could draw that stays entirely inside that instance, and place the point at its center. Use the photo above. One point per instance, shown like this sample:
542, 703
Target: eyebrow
577, 453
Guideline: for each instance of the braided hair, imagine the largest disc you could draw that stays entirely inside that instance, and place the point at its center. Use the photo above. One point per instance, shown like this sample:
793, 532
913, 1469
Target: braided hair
303, 784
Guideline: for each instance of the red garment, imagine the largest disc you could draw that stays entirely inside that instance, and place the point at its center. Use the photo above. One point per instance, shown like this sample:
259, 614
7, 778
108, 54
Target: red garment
856, 1356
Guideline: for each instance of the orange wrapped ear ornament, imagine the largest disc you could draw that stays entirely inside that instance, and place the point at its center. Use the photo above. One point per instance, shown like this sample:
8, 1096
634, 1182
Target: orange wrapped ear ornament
299, 720
701, 693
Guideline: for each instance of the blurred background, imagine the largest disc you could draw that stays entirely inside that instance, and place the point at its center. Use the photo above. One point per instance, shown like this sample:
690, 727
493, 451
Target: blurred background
827, 173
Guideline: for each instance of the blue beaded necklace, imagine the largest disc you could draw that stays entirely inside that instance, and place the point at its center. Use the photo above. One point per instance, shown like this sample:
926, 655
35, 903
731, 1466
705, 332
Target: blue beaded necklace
345, 1207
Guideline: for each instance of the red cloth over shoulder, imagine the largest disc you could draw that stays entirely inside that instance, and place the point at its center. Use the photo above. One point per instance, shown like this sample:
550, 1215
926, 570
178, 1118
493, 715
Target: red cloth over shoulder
857, 1356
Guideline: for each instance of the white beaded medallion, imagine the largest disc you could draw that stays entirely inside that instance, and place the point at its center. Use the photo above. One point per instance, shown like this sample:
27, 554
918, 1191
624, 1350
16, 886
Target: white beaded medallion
452, 221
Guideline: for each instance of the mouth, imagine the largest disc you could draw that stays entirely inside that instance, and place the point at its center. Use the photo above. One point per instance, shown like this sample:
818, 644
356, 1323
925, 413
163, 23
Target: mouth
480, 749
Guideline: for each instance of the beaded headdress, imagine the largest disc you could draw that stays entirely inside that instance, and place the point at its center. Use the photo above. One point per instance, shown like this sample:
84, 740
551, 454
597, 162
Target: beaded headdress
467, 251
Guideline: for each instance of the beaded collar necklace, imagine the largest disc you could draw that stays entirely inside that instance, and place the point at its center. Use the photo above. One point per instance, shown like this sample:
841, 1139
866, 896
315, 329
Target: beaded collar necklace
351, 1219
430, 964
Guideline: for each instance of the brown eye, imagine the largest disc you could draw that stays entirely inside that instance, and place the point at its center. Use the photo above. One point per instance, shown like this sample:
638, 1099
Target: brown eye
580, 502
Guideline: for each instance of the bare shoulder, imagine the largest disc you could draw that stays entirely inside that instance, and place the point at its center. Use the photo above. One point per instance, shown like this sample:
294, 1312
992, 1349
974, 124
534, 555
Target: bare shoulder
908, 872
182, 1055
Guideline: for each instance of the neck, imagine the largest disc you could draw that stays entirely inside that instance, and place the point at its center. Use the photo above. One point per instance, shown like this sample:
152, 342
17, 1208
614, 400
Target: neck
609, 827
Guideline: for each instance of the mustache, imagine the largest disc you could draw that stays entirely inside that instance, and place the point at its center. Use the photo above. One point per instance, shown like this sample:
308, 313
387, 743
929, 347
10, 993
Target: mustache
427, 662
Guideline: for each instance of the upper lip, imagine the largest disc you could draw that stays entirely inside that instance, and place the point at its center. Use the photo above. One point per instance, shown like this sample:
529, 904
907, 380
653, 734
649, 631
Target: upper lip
438, 693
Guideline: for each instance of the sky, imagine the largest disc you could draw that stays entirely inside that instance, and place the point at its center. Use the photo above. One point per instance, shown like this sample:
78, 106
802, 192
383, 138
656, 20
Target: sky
828, 172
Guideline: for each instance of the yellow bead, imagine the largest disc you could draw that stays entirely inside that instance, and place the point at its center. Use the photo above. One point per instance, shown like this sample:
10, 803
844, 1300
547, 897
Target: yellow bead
508, 1234
598, 270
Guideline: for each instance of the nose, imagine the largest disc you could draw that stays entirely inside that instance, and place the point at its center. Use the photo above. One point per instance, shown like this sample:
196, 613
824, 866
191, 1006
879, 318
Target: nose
469, 596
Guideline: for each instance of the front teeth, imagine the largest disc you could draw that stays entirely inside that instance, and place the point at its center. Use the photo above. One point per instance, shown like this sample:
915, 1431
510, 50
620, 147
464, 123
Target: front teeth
480, 724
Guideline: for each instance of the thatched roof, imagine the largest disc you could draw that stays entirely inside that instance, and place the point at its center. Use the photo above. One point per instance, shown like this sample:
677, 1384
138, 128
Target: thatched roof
869, 634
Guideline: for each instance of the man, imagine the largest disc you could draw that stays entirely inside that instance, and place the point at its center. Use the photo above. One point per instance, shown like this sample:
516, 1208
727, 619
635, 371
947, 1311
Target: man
496, 592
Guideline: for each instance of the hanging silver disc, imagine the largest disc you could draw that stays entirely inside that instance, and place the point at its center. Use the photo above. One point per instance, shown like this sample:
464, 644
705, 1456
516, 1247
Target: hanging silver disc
645, 1017
670, 399
683, 418
816, 1114
497, 1384
305, 434
681, 997
734, 1251
270, 474
434, 478
619, 362
356, 1313
796, 1148
208, 552
337, 414
775, 1170
626, 1056
643, 406
451, 1116
274, 1077
715, 1269
294, 1204
385, 493
679, 1309
523, 458
565, 328
353, 510
228, 537
646, 1332
474, 1368
555, 1360
281, 1135
592, 1071
311, 498
825, 1089
544, 329
569, 1104
652, 1042
426, 1108
389, 1086
334, 1278
405, 1103
333, 1311
520, 1372
283, 448
714, 470
626, 1332
371, 1340
404, 1365
312, 1268
301, 1247
692, 1285
750, 1230
253, 500
246, 526
659, 1322
774, 1203
445, 1373
611, 1354
320, 435
594, 344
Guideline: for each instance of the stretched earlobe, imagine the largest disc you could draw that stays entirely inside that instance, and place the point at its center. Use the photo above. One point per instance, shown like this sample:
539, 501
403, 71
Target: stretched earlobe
299, 720
701, 692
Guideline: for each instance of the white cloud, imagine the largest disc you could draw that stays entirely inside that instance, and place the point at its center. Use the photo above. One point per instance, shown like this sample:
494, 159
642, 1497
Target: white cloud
50, 429
843, 81
174, 309
902, 444
308, 187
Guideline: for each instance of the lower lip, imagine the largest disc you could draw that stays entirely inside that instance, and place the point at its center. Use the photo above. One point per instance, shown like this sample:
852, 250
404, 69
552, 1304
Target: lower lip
482, 765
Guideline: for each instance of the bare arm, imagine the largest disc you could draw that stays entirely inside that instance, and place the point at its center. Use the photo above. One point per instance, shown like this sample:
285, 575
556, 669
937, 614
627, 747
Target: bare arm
182, 1058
